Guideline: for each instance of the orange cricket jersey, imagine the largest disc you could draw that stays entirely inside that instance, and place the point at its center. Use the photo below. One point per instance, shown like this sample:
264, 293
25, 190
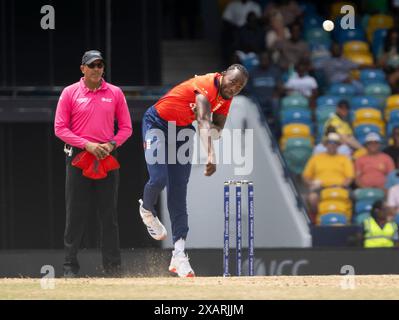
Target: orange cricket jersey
178, 104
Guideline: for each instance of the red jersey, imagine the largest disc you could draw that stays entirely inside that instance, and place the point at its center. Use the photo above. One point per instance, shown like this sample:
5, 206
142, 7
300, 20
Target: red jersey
179, 103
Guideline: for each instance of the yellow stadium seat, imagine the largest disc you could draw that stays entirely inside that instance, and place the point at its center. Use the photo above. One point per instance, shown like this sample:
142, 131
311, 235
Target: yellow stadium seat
340, 194
296, 130
363, 59
378, 21
355, 46
392, 102
367, 114
336, 206
336, 8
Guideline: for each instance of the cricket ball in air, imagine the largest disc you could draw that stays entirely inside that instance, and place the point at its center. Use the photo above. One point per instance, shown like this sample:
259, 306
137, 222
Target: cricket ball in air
328, 25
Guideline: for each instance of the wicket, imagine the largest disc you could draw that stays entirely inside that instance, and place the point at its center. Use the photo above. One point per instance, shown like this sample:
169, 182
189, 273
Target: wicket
251, 232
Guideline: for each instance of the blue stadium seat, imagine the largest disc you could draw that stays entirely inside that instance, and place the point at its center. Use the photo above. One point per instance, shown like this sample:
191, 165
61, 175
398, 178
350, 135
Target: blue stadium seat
344, 35
363, 206
377, 46
370, 194
296, 154
322, 114
359, 102
317, 35
294, 101
311, 21
342, 89
327, 100
296, 116
333, 219
372, 76
359, 218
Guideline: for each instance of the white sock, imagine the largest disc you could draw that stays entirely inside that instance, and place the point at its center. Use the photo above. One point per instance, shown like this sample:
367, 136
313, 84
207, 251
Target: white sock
179, 246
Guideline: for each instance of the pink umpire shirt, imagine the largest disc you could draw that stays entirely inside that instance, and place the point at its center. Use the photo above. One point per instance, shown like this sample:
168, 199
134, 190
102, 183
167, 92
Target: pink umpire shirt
88, 116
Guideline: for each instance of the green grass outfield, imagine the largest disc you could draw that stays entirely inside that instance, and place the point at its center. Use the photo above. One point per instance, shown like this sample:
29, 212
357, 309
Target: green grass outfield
253, 288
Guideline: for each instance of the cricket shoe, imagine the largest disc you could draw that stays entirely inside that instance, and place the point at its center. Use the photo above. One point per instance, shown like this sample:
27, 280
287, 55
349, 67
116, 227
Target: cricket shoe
180, 265
155, 228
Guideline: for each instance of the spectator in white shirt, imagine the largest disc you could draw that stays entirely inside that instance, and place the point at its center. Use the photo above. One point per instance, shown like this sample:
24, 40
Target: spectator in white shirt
301, 82
237, 11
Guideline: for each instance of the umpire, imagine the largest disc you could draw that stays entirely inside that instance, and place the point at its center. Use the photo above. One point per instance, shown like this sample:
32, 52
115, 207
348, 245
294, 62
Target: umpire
85, 120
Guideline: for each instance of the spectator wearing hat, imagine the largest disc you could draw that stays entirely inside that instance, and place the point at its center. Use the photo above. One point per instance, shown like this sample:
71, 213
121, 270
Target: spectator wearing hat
373, 167
328, 169
339, 122
85, 120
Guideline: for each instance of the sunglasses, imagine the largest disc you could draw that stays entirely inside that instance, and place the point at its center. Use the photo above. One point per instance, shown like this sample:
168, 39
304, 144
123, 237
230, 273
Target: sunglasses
99, 65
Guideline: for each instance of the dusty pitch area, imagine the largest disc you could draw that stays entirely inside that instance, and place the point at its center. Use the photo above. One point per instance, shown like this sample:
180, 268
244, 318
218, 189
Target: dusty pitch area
253, 288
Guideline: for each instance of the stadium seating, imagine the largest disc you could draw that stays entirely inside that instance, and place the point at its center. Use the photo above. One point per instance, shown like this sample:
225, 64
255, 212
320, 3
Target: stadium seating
355, 46
342, 90
362, 59
333, 219
294, 101
327, 100
372, 76
372, 194
362, 130
296, 116
297, 152
359, 102
377, 46
378, 21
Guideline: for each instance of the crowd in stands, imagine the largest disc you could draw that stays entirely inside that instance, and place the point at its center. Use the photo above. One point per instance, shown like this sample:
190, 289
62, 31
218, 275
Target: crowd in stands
332, 100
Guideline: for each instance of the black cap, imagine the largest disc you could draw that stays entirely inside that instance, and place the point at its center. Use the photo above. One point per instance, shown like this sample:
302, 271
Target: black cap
91, 56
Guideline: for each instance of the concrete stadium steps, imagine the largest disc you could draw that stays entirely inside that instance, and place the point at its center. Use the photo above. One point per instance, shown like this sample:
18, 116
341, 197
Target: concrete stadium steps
182, 59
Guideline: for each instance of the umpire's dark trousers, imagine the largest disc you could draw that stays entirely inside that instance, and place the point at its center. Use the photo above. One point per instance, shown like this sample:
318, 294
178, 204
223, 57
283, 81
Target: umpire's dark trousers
79, 192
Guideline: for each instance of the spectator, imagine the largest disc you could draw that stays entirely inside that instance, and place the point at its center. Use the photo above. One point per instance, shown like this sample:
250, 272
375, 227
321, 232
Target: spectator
301, 82
339, 122
393, 177
378, 231
293, 50
236, 12
278, 30
235, 16
337, 68
373, 168
393, 150
389, 60
265, 84
342, 149
390, 56
251, 37
290, 10
393, 199
327, 170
